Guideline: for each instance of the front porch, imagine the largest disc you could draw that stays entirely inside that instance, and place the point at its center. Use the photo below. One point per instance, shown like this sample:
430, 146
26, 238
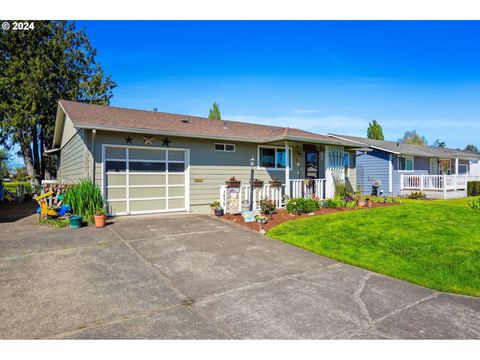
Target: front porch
437, 186
305, 170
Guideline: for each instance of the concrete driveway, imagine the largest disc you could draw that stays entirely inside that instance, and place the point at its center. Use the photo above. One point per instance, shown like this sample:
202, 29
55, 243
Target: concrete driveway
194, 277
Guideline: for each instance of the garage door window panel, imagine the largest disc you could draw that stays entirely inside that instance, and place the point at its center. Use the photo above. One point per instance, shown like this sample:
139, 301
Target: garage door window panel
176, 167
176, 155
144, 166
115, 166
146, 154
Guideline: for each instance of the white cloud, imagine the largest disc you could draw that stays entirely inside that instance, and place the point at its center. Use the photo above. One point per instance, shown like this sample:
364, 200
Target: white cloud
305, 111
322, 125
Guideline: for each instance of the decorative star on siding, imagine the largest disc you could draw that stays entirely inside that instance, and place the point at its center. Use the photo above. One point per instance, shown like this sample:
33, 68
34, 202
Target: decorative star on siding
128, 139
148, 140
166, 142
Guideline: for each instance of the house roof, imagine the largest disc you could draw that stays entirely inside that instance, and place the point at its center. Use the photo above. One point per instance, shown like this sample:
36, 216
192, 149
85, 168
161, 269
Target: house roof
111, 118
396, 147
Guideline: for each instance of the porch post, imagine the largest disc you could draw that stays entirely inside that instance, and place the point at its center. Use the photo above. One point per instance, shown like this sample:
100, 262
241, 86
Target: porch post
287, 169
456, 166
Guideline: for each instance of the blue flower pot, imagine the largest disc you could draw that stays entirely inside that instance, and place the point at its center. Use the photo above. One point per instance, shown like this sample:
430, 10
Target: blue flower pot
75, 222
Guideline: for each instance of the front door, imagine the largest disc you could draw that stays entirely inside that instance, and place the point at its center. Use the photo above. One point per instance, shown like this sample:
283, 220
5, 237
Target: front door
311, 164
445, 166
433, 167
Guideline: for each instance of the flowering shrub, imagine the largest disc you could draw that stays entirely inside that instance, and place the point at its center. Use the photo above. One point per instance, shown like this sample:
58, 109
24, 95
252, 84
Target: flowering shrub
267, 206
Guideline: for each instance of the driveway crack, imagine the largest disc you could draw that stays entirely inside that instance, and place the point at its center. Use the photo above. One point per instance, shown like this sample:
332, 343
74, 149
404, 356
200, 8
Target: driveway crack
409, 306
357, 297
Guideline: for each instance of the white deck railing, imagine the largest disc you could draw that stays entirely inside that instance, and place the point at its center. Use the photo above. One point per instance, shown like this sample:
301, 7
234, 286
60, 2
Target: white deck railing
240, 198
307, 188
276, 194
436, 182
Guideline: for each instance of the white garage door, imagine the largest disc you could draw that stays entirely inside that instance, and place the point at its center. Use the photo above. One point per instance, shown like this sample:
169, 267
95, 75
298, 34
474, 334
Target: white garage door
142, 180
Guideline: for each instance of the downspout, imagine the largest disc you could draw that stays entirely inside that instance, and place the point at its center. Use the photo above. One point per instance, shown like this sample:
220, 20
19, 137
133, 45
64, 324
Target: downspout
92, 152
287, 169
390, 173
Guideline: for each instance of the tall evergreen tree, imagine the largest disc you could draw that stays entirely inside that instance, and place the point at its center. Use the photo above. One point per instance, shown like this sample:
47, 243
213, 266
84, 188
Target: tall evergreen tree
215, 112
471, 147
439, 143
37, 68
375, 131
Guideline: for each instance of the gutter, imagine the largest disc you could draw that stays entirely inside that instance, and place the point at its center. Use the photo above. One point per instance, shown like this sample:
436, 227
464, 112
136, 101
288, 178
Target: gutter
51, 151
199, 136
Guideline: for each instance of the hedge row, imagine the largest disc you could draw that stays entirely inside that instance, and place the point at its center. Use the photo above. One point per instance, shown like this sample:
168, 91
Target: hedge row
473, 188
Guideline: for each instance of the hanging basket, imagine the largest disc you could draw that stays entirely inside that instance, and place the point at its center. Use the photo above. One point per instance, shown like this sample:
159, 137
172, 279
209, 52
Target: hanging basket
275, 183
257, 184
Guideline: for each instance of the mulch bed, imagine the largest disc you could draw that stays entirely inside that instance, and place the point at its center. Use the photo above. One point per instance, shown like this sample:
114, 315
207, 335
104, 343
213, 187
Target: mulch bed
282, 215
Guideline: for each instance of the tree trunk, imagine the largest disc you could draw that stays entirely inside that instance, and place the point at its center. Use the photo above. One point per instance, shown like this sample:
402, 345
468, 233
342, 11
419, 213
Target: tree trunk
28, 159
43, 158
36, 157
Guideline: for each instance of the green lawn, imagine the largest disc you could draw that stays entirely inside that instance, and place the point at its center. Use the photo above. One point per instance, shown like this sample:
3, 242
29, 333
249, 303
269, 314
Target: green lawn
431, 243
12, 186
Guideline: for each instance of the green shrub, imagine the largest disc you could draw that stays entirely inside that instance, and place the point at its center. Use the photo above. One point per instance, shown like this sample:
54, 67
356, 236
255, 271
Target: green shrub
335, 202
417, 195
341, 189
474, 204
267, 206
302, 206
85, 198
473, 188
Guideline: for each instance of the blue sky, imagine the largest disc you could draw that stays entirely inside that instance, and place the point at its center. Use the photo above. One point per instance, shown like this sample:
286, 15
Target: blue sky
322, 76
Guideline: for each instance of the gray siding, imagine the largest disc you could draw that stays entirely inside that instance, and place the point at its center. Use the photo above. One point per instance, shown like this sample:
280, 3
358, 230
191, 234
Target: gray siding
73, 159
372, 164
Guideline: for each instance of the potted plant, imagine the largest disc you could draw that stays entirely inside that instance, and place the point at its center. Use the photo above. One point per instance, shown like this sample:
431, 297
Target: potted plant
214, 205
100, 218
257, 183
275, 182
233, 182
218, 211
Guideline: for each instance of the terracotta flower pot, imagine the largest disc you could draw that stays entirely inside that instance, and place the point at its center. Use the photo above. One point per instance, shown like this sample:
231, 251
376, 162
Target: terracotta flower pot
100, 221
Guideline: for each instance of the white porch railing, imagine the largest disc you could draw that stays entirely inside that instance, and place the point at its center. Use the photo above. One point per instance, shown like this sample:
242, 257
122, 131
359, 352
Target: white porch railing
233, 202
276, 194
307, 188
436, 182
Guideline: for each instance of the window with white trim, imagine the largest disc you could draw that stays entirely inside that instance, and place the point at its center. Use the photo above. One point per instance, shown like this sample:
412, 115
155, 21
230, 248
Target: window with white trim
273, 157
405, 163
224, 147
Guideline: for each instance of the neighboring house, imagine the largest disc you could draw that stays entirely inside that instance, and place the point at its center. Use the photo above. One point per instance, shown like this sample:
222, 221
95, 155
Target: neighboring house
146, 162
405, 168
